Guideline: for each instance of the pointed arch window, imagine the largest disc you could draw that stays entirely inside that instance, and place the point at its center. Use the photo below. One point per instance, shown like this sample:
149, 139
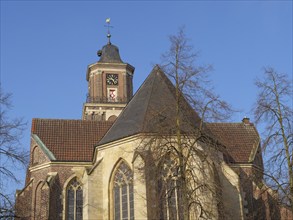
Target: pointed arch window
170, 190
35, 156
123, 193
41, 201
74, 200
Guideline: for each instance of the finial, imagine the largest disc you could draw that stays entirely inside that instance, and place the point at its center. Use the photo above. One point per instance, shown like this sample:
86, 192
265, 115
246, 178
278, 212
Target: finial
108, 26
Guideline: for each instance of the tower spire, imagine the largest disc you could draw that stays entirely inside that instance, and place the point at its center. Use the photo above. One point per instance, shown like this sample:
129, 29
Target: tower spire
108, 26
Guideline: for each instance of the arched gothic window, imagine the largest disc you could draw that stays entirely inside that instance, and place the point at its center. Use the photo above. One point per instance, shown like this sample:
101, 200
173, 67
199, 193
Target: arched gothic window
170, 191
35, 156
123, 193
74, 200
41, 202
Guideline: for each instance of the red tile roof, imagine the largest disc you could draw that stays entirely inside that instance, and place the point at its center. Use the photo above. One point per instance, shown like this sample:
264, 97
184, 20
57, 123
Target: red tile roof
70, 140
240, 139
75, 140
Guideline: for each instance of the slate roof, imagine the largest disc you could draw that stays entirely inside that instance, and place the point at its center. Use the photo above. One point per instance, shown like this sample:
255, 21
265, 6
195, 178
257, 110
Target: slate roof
70, 140
110, 54
240, 140
152, 110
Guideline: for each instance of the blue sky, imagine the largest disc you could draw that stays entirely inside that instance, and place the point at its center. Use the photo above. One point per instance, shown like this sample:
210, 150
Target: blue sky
47, 45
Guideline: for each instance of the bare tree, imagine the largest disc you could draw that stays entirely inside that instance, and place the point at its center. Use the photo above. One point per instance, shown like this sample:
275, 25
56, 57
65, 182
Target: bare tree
191, 79
11, 154
273, 109
180, 154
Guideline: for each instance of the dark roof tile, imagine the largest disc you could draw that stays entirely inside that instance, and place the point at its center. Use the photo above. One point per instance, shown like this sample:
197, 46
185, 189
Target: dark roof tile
110, 54
153, 110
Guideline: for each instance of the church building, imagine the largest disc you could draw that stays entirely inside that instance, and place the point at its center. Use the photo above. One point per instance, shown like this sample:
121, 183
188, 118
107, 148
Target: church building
103, 166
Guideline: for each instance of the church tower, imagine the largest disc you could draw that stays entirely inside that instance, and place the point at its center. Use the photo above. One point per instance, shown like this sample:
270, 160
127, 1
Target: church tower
110, 85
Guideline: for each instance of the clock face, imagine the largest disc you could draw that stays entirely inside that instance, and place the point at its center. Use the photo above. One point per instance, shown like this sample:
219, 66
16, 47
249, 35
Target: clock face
112, 79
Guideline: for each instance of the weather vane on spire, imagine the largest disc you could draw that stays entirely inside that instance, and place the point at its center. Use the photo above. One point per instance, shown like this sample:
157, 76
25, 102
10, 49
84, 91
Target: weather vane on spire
108, 26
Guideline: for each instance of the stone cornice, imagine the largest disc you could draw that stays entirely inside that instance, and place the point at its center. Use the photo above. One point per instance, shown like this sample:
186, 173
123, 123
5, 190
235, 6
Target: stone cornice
60, 163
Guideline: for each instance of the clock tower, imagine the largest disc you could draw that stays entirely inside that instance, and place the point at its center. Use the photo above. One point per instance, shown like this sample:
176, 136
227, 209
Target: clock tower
109, 85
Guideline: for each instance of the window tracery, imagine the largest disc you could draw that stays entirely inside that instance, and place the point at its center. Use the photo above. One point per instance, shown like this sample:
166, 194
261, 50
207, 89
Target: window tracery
123, 193
74, 200
170, 190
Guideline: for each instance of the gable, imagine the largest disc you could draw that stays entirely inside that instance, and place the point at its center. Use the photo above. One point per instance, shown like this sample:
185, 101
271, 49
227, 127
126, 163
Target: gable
38, 156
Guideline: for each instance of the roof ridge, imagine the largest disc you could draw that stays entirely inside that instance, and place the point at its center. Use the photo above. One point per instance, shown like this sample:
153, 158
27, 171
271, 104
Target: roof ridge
68, 120
60, 119
226, 123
